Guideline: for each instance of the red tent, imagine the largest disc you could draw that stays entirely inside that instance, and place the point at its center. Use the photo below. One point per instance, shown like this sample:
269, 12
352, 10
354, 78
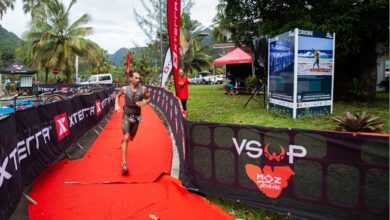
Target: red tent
237, 56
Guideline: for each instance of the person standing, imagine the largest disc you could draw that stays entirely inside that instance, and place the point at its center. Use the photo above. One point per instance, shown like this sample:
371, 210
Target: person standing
182, 91
8, 86
316, 59
17, 85
136, 96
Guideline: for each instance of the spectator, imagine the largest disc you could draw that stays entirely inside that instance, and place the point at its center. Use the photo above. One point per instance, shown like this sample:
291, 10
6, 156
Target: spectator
182, 92
228, 85
8, 86
17, 85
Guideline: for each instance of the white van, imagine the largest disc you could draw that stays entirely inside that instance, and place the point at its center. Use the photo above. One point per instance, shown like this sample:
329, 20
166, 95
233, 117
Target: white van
98, 79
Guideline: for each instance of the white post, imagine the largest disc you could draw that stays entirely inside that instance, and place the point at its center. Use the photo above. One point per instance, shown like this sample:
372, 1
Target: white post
1, 87
77, 69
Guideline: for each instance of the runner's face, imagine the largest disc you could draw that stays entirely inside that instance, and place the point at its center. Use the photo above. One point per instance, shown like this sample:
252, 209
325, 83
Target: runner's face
135, 79
181, 73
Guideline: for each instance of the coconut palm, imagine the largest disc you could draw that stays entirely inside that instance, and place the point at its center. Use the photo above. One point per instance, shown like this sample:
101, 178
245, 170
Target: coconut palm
220, 34
4, 4
37, 8
100, 60
55, 41
193, 52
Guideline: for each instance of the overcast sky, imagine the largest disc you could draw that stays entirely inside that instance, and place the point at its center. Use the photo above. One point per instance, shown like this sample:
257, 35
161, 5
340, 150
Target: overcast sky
112, 21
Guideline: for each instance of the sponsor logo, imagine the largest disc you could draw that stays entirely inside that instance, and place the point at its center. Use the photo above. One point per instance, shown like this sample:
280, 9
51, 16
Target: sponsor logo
254, 150
62, 126
22, 151
270, 182
273, 155
41, 138
98, 105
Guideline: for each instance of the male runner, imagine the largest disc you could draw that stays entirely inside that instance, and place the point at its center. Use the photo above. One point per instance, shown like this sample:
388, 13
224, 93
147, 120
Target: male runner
136, 96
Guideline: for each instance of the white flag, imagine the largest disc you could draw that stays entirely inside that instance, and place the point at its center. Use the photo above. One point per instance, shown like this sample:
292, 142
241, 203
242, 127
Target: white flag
167, 67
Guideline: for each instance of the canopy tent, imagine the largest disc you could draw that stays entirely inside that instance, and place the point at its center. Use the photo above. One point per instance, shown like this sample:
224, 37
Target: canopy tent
20, 69
17, 68
237, 56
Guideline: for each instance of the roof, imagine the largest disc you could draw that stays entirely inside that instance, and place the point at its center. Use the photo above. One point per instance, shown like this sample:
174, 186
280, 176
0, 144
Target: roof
17, 68
237, 56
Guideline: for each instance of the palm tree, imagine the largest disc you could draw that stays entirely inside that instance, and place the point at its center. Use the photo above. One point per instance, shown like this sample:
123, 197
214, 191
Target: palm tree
55, 41
100, 60
220, 34
37, 8
4, 4
193, 52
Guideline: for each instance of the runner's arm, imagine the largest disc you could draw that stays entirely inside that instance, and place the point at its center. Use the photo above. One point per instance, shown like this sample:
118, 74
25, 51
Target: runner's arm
146, 95
118, 95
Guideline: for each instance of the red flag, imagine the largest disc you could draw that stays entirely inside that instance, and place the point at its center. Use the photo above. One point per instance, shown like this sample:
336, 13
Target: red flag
128, 66
173, 14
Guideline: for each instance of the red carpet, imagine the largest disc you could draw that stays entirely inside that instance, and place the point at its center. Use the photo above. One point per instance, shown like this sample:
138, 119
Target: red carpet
93, 187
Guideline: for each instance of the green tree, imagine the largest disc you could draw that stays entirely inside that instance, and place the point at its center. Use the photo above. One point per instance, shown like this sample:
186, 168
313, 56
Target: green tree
220, 33
193, 53
55, 41
4, 4
361, 28
37, 8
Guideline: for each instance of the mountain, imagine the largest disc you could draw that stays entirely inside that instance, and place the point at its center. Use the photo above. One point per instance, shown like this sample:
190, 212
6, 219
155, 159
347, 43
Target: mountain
8, 44
208, 40
117, 57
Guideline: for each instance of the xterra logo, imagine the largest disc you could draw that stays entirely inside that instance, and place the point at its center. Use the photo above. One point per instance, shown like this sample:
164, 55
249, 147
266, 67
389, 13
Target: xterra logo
98, 107
62, 126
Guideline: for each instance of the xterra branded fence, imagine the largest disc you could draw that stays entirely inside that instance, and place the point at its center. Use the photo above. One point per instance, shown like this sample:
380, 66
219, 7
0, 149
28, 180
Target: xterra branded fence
32, 139
307, 173
171, 108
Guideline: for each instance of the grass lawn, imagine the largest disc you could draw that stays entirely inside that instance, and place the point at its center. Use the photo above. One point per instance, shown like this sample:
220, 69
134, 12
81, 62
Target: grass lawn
208, 103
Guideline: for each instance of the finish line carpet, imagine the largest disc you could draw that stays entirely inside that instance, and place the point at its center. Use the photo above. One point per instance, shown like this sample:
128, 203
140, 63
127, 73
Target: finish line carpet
93, 187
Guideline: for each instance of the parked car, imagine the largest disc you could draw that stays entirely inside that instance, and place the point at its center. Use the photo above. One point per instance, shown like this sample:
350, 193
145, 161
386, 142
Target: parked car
195, 80
98, 79
213, 79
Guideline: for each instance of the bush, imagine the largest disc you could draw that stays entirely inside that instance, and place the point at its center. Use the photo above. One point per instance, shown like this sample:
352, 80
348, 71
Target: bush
250, 81
385, 84
356, 89
356, 122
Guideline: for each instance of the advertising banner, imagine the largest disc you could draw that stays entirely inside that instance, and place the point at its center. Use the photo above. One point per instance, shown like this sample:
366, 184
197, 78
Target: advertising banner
32, 139
315, 73
311, 174
128, 65
173, 21
281, 73
167, 67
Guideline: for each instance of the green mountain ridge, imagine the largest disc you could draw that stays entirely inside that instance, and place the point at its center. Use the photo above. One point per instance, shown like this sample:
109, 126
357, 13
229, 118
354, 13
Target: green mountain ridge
8, 44
117, 57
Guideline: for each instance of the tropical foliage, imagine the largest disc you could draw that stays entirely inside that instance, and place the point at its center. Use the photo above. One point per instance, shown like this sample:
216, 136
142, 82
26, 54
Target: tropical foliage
359, 122
54, 41
4, 4
361, 29
193, 52
8, 44
220, 33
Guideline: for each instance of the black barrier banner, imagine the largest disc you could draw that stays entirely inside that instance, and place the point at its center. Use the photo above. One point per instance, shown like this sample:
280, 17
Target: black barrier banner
33, 138
306, 173
169, 105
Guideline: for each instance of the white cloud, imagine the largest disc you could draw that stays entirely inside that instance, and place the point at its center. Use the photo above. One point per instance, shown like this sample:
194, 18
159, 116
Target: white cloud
113, 21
